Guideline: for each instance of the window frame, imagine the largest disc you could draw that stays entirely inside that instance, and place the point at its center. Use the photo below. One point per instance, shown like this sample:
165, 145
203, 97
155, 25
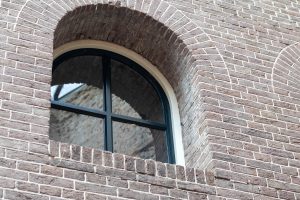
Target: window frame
107, 115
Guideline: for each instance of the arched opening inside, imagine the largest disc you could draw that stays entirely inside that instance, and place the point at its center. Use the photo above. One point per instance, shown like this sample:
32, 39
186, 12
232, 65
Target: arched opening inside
157, 46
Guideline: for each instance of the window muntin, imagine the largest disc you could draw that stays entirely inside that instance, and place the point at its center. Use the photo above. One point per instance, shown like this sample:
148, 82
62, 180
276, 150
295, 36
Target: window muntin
112, 70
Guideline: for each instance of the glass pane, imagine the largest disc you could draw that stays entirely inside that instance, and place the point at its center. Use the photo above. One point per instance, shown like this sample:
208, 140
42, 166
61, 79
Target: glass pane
79, 81
132, 95
78, 94
78, 129
139, 141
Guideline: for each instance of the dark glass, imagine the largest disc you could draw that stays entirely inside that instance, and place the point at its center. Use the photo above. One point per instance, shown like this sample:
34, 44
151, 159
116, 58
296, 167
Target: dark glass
139, 141
79, 94
79, 81
132, 94
77, 129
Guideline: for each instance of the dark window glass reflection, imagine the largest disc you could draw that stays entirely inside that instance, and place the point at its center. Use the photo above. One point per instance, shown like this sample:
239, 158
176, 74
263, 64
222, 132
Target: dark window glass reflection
129, 87
78, 94
79, 81
78, 129
139, 141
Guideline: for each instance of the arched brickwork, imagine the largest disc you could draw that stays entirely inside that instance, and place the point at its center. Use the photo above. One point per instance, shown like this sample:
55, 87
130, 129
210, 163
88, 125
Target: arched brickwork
286, 83
157, 31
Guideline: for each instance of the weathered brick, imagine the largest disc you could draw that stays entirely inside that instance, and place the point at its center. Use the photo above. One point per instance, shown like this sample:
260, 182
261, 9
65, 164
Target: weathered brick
195, 196
39, 148
97, 159
180, 173
107, 159
118, 161
139, 186
51, 170
65, 150
157, 181
72, 194
7, 183
286, 195
68, 164
30, 187
196, 187
52, 191
159, 190
127, 175
229, 158
140, 166
178, 193
76, 152
94, 178
90, 196
14, 174
100, 189
28, 166
9, 194
234, 194
127, 193
150, 167
129, 163
7, 163
86, 154
50, 180
200, 176
74, 175
190, 174
117, 182
171, 173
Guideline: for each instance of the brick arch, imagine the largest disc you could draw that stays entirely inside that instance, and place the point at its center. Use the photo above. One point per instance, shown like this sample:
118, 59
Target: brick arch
286, 72
186, 55
286, 84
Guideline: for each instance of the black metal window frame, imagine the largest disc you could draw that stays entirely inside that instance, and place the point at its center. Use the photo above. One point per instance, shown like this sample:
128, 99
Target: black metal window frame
107, 113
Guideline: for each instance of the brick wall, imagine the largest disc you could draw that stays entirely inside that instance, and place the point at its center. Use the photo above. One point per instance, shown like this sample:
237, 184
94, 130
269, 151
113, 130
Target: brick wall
234, 66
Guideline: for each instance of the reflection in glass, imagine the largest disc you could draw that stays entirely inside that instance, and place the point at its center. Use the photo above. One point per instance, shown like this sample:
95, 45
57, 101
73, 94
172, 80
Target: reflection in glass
139, 141
77, 129
78, 94
79, 81
133, 89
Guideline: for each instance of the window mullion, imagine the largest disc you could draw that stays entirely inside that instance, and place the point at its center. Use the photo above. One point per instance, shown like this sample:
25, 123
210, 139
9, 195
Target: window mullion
107, 103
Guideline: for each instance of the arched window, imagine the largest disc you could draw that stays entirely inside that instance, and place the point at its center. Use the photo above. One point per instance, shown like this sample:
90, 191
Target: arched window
106, 101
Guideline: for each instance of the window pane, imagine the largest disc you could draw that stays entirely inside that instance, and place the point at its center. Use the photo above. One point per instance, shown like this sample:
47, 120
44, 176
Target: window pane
79, 81
78, 94
139, 141
78, 129
132, 95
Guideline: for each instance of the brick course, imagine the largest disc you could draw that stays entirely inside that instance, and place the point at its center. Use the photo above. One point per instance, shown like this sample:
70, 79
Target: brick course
234, 66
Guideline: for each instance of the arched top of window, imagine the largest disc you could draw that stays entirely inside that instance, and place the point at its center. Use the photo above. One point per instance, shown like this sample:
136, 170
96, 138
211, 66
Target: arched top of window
104, 100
